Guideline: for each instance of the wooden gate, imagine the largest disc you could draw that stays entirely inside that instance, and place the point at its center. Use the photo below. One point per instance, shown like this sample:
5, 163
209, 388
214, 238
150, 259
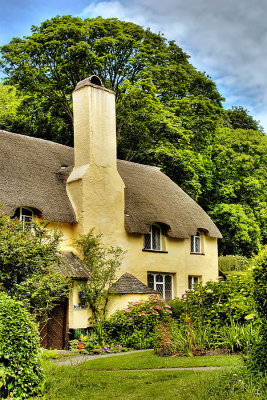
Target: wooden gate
54, 333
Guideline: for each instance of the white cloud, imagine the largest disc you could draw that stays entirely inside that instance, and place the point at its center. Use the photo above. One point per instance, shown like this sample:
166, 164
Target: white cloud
227, 39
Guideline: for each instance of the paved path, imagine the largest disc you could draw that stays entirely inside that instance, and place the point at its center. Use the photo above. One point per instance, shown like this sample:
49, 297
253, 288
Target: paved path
75, 360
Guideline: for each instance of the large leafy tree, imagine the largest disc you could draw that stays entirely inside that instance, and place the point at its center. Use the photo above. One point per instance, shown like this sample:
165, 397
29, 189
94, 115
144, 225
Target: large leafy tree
168, 113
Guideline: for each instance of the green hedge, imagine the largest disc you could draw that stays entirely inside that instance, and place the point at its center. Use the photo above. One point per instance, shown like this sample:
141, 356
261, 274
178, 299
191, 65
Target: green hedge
20, 371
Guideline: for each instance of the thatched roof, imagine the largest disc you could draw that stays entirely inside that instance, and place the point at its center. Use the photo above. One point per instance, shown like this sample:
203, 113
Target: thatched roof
129, 284
150, 196
33, 173
72, 267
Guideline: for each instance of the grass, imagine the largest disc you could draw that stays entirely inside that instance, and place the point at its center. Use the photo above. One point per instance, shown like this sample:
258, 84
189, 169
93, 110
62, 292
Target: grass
144, 360
108, 378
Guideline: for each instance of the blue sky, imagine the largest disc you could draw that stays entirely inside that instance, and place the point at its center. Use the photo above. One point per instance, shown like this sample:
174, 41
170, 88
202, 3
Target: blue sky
227, 39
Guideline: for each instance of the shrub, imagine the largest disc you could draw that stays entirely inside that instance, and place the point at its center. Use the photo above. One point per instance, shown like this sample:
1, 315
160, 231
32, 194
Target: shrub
135, 326
233, 263
218, 303
256, 360
20, 371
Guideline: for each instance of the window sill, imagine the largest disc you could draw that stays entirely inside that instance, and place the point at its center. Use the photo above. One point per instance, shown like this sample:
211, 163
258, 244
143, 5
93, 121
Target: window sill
154, 251
198, 254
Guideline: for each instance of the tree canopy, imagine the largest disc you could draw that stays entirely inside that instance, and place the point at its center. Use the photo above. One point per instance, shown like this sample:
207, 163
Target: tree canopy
168, 114
28, 261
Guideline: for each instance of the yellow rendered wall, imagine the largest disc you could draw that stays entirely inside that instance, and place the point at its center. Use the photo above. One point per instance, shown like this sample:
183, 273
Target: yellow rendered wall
177, 261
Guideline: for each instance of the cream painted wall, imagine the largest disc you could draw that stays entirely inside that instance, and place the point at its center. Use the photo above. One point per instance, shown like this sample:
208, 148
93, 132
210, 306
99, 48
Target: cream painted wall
177, 261
96, 192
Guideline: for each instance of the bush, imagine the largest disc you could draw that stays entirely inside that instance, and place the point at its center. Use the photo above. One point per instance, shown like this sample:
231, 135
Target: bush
256, 360
218, 303
20, 371
135, 326
233, 263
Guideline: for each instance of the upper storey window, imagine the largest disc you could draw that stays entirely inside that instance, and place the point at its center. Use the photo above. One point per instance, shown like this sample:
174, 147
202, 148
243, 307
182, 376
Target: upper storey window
152, 240
196, 243
25, 215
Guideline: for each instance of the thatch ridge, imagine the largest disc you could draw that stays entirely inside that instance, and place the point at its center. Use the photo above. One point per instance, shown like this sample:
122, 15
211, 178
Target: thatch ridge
34, 173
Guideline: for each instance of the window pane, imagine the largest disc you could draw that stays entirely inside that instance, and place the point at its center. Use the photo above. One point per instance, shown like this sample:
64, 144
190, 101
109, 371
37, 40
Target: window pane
190, 283
159, 278
197, 244
155, 237
150, 281
147, 241
159, 288
192, 244
196, 279
168, 287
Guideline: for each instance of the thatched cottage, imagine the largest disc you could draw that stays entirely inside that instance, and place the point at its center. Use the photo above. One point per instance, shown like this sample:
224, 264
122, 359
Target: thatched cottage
171, 242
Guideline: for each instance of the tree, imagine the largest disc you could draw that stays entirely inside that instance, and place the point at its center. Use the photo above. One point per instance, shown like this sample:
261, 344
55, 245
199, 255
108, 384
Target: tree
168, 114
103, 264
239, 118
64, 50
27, 266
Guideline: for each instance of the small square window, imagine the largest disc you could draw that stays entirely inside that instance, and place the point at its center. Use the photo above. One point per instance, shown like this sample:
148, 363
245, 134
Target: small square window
152, 240
193, 280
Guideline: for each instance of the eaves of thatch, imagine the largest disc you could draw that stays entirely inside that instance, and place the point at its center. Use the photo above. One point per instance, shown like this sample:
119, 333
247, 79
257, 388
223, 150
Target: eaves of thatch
33, 173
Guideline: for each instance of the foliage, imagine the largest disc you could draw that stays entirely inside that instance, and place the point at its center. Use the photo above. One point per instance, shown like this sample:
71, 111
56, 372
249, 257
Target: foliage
135, 326
27, 266
233, 263
239, 118
168, 114
257, 358
20, 372
49, 354
103, 264
237, 384
218, 303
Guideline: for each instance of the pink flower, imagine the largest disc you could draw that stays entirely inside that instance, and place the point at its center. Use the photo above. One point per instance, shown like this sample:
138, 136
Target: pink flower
158, 308
133, 303
155, 313
130, 319
127, 310
162, 300
167, 306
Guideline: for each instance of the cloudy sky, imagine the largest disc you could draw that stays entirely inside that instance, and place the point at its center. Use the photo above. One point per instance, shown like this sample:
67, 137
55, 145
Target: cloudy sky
227, 39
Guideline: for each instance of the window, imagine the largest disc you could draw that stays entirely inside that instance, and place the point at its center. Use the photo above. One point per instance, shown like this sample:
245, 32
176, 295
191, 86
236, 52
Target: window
162, 283
196, 243
192, 281
25, 215
152, 240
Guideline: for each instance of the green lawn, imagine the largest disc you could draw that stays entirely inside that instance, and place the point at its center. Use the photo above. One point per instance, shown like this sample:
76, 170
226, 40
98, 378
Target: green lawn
148, 359
104, 378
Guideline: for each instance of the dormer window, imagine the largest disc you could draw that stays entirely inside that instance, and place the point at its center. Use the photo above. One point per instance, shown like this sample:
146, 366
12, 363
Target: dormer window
196, 243
152, 240
25, 215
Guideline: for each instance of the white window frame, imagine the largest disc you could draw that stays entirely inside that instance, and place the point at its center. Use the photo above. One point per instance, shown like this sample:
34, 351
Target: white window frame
23, 218
193, 243
154, 274
193, 280
151, 233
